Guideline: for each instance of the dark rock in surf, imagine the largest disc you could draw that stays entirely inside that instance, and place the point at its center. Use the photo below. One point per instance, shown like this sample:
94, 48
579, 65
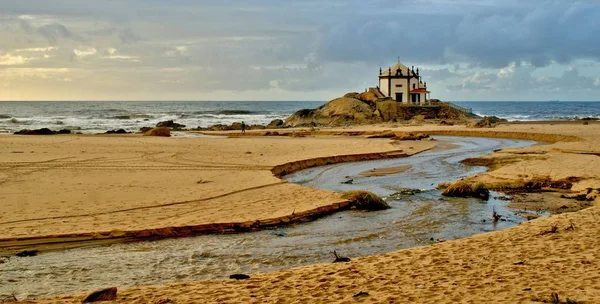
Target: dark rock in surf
42, 131
170, 124
116, 131
107, 294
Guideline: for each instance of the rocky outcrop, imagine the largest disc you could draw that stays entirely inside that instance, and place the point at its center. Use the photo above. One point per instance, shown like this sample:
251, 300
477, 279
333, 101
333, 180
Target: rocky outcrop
340, 111
170, 124
369, 108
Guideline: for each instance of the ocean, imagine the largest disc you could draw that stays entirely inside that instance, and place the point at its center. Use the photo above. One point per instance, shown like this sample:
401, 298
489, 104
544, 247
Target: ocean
101, 116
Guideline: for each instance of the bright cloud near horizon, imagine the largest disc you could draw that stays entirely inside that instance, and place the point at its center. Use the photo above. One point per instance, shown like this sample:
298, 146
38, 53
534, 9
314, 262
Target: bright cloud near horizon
296, 50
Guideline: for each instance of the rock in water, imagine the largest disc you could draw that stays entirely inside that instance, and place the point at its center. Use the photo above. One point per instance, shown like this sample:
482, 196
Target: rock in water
239, 276
364, 200
107, 294
170, 124
116, 131
42, 131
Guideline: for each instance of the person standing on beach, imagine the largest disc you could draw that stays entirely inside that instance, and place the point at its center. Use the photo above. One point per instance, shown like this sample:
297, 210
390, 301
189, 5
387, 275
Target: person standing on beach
243, 127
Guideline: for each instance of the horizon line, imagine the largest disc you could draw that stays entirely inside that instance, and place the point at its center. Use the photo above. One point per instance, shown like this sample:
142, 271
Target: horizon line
264, 100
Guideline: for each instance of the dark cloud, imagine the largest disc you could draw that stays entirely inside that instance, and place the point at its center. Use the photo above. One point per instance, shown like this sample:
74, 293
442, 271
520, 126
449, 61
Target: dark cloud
462, 46
52, 32
494, 35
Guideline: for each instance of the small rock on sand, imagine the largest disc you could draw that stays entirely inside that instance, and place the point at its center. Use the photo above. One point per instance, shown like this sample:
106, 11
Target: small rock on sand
27, 253
239, 276
107, 294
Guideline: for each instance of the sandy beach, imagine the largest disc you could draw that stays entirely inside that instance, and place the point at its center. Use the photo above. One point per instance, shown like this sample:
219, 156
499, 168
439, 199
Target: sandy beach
135, 186
62, 190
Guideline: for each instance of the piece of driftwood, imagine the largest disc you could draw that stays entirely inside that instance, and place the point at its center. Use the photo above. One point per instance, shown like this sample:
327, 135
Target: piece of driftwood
340, 259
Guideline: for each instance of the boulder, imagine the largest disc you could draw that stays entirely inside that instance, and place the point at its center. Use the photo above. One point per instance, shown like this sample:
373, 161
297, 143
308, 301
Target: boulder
116, 131
364, 200
170, 124
276, 123
145, 129
64, 131
239, 276
107, 294
488, 122
166, 132
42, 131
236, 126
27, 253
368, 97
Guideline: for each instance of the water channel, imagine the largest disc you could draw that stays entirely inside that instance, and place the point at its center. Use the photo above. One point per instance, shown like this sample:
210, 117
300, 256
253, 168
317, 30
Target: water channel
413, 220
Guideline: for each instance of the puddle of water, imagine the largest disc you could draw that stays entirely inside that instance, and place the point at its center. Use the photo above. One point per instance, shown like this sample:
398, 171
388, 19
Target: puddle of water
413, 221
181, 134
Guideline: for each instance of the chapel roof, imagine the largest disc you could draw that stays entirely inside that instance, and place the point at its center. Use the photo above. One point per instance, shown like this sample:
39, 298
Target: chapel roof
398, 66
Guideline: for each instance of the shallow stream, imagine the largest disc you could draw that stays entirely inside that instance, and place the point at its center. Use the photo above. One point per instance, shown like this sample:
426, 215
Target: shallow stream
414, 220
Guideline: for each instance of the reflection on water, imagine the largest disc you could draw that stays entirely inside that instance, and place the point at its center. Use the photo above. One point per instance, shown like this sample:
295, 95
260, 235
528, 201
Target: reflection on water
413, 221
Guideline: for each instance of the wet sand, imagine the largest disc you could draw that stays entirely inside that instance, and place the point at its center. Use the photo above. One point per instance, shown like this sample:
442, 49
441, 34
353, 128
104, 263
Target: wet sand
516, 265
385, 171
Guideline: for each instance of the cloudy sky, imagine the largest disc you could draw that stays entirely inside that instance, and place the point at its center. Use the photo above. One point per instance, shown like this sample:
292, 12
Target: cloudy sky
296, 50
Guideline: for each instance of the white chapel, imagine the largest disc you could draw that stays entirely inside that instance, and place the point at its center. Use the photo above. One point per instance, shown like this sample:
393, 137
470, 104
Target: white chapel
403, 84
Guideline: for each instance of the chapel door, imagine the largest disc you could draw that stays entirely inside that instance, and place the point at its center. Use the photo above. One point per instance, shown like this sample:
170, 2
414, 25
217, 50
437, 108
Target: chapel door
399, 97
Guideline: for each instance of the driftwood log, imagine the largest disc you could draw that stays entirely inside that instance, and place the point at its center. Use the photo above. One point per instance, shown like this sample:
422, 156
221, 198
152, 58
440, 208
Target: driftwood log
340, 259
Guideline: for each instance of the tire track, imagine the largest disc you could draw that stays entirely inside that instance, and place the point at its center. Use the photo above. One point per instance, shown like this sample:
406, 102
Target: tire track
146, 207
